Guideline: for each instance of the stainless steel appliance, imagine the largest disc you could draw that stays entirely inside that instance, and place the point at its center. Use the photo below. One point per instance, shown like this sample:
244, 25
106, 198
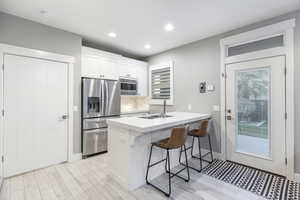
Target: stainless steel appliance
128, 86
100, 100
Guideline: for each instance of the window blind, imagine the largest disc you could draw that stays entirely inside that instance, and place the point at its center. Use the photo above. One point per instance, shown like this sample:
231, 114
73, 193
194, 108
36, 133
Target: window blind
160, 83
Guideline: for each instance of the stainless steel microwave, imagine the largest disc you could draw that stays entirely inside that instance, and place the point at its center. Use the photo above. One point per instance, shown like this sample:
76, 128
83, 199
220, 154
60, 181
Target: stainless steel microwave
128, 86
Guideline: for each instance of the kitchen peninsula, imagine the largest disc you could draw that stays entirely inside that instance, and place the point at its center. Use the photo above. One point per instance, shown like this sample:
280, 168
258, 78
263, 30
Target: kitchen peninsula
129, 140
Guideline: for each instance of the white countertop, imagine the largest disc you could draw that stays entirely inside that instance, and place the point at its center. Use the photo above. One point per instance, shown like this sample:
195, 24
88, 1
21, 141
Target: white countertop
148, 125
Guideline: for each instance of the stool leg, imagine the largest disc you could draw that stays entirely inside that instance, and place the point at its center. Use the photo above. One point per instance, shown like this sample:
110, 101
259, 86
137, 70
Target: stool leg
200, 155
180, 155
192, 147
187, 164
211, 152
166, 163
150, 155
168, 158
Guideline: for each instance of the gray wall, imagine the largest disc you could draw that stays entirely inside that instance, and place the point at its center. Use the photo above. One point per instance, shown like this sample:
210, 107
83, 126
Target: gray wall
200, 61
20, 32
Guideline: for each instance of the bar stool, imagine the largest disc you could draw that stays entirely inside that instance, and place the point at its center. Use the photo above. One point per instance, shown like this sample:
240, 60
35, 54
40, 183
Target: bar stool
201, 132
175, 141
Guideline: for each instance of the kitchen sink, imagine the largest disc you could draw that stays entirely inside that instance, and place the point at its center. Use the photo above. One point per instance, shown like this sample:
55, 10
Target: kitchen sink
155, 116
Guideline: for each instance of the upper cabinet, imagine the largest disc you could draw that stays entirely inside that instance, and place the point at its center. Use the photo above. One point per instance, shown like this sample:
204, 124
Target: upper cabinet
101, 64
135, 69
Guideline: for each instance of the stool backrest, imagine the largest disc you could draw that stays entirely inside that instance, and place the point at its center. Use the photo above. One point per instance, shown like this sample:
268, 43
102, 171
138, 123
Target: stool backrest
178, 137
203, 128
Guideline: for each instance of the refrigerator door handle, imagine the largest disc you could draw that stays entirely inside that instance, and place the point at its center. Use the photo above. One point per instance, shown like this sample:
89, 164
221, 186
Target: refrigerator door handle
103, 97
106, 99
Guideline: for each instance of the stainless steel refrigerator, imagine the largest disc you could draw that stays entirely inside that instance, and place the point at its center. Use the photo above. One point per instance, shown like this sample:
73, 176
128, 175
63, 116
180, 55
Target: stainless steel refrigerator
100, 101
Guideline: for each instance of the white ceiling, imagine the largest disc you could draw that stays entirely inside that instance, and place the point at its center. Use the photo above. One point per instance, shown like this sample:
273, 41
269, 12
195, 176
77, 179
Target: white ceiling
138, 22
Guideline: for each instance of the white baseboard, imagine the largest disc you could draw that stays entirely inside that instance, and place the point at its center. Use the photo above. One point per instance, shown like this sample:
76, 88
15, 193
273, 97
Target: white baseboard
1, 183
215, 154
76, 157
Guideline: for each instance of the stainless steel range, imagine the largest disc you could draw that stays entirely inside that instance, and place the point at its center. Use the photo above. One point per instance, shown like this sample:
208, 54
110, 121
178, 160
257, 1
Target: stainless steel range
100, 101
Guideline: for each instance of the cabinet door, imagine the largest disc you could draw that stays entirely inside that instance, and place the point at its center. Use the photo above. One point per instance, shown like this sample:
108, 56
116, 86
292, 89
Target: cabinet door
89, 68
137, 70
142, 77
99, 64
108, 68
127, 69
123, 69
99, 68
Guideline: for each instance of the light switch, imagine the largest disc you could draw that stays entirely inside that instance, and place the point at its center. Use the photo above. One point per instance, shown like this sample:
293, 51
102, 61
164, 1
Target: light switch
205, 87
210, 87
189, 107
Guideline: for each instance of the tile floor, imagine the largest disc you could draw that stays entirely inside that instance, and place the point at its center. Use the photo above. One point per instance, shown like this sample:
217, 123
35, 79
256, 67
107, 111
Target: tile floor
88, 180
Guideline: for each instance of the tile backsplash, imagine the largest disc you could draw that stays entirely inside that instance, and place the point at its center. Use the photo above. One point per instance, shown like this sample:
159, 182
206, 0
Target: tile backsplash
159, 108
134, 103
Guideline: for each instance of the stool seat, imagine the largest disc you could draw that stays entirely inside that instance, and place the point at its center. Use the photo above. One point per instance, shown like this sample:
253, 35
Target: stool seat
162, 143
175, 141
197, 133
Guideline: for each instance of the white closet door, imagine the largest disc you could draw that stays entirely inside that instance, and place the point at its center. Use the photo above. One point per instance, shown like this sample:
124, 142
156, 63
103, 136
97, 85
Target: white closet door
35, 100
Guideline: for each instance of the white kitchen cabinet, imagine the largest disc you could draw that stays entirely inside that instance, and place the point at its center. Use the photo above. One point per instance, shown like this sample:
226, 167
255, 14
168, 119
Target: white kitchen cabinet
142, 76
99, 64
137, 70
99, 68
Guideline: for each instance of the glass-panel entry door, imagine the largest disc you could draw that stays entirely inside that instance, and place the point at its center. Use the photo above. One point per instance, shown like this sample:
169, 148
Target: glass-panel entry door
255, 113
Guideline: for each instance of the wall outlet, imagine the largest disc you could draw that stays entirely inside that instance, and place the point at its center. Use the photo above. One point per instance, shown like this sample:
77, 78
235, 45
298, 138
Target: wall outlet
190, 107
205, 87
210, 88
202, 87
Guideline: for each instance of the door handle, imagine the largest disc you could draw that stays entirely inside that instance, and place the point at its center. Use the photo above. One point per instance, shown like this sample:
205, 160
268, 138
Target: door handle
64, 117
228, 117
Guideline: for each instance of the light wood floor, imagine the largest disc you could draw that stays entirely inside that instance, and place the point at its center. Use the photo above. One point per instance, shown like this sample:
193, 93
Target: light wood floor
88, 180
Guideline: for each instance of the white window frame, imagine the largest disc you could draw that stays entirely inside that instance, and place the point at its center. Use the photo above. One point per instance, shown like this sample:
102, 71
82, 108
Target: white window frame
69, 60
161, 66
285, 28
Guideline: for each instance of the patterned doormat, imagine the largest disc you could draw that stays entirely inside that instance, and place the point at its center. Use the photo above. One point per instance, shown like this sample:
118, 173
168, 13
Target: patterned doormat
262, 183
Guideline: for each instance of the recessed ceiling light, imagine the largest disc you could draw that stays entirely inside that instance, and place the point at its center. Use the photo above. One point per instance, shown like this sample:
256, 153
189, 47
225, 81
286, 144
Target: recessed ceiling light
112, 34
147, 46
43, 12
169, 27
